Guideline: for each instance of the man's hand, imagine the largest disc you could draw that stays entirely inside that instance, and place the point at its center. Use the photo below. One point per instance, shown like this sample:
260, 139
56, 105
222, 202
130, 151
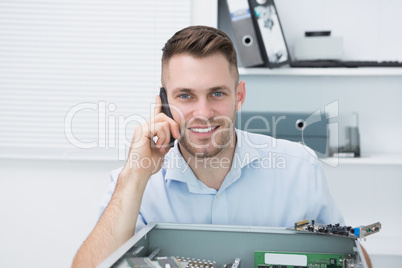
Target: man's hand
117, 224
146, 155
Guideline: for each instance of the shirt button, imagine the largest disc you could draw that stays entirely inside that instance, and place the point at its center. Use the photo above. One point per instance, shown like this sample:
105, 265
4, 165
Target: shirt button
218, 196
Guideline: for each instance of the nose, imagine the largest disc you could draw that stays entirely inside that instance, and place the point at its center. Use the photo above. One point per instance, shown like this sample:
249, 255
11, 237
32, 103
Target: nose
203, 109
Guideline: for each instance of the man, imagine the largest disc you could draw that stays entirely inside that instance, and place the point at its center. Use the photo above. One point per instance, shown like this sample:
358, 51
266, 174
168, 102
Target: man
214, 173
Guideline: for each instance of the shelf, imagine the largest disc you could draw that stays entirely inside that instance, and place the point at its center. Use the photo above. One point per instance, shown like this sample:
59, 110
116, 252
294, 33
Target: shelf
287, 71
378, 159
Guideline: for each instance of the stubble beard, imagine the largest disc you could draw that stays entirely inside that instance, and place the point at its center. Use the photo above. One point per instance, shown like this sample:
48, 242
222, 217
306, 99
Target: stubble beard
214, 145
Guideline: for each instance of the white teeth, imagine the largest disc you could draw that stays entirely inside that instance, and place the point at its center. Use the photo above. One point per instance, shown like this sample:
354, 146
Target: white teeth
202, 130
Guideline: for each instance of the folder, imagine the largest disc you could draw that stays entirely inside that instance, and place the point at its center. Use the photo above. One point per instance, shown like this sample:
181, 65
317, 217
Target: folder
269, 33
248, 47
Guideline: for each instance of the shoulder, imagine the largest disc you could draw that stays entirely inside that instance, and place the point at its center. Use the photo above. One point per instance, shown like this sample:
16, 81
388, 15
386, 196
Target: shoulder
264, 144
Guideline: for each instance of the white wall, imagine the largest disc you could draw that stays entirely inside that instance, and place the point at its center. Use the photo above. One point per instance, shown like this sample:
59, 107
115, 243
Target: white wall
368, 28
48, 208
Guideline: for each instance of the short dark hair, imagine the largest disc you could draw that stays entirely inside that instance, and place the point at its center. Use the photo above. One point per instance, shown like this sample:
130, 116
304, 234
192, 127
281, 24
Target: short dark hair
200, 42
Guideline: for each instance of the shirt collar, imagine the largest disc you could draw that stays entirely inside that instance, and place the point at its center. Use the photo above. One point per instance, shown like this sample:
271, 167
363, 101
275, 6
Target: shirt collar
177, 168
243, 156
245, 153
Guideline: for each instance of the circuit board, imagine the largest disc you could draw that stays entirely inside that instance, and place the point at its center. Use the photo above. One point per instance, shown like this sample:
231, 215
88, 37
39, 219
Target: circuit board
171, 262
360, 232
268, 259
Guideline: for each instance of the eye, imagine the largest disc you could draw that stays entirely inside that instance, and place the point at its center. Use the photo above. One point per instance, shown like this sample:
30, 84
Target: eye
217, 94
184, 96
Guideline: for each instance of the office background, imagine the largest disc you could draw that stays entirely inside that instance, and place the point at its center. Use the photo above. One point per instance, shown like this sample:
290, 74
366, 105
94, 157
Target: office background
50, 204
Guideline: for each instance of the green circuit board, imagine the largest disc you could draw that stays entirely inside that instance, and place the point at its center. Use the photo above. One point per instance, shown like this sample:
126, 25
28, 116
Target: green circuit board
272, 259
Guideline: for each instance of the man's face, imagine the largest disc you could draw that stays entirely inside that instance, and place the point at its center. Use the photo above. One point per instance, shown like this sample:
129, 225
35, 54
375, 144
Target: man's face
203, 99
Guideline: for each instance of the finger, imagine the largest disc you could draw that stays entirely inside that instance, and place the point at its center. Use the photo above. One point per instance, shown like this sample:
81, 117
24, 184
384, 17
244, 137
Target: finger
174, 129
164, 141
161, 139
157, 108
158, 105
161, 131
173, 125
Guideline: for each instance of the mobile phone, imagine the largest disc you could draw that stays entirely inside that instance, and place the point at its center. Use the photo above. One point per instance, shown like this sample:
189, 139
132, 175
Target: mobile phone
166, 110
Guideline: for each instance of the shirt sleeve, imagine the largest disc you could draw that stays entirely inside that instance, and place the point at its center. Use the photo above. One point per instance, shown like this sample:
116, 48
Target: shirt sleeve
140, 223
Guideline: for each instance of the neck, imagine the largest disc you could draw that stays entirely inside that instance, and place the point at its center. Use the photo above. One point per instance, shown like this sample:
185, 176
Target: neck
211, 170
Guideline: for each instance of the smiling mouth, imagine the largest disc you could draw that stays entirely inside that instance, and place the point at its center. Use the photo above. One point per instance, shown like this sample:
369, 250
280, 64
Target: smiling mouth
203, 130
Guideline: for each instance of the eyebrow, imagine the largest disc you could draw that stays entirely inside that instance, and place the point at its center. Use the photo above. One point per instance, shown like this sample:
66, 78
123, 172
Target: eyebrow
183, 90
209, 90
213, 89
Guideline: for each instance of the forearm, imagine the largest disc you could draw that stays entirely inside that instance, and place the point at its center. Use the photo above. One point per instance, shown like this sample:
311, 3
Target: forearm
116, 225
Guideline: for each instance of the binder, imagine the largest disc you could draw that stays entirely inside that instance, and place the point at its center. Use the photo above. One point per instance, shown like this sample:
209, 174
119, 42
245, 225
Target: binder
269, 32
248, 46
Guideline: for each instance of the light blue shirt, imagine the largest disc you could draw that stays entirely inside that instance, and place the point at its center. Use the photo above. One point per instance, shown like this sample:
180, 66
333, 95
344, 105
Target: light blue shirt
272, 182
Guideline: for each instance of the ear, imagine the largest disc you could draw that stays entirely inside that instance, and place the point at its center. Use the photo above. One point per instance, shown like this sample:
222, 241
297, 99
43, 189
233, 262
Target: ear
240, 95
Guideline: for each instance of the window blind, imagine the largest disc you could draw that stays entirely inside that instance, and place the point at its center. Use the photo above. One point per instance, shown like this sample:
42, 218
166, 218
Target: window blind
76, 77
